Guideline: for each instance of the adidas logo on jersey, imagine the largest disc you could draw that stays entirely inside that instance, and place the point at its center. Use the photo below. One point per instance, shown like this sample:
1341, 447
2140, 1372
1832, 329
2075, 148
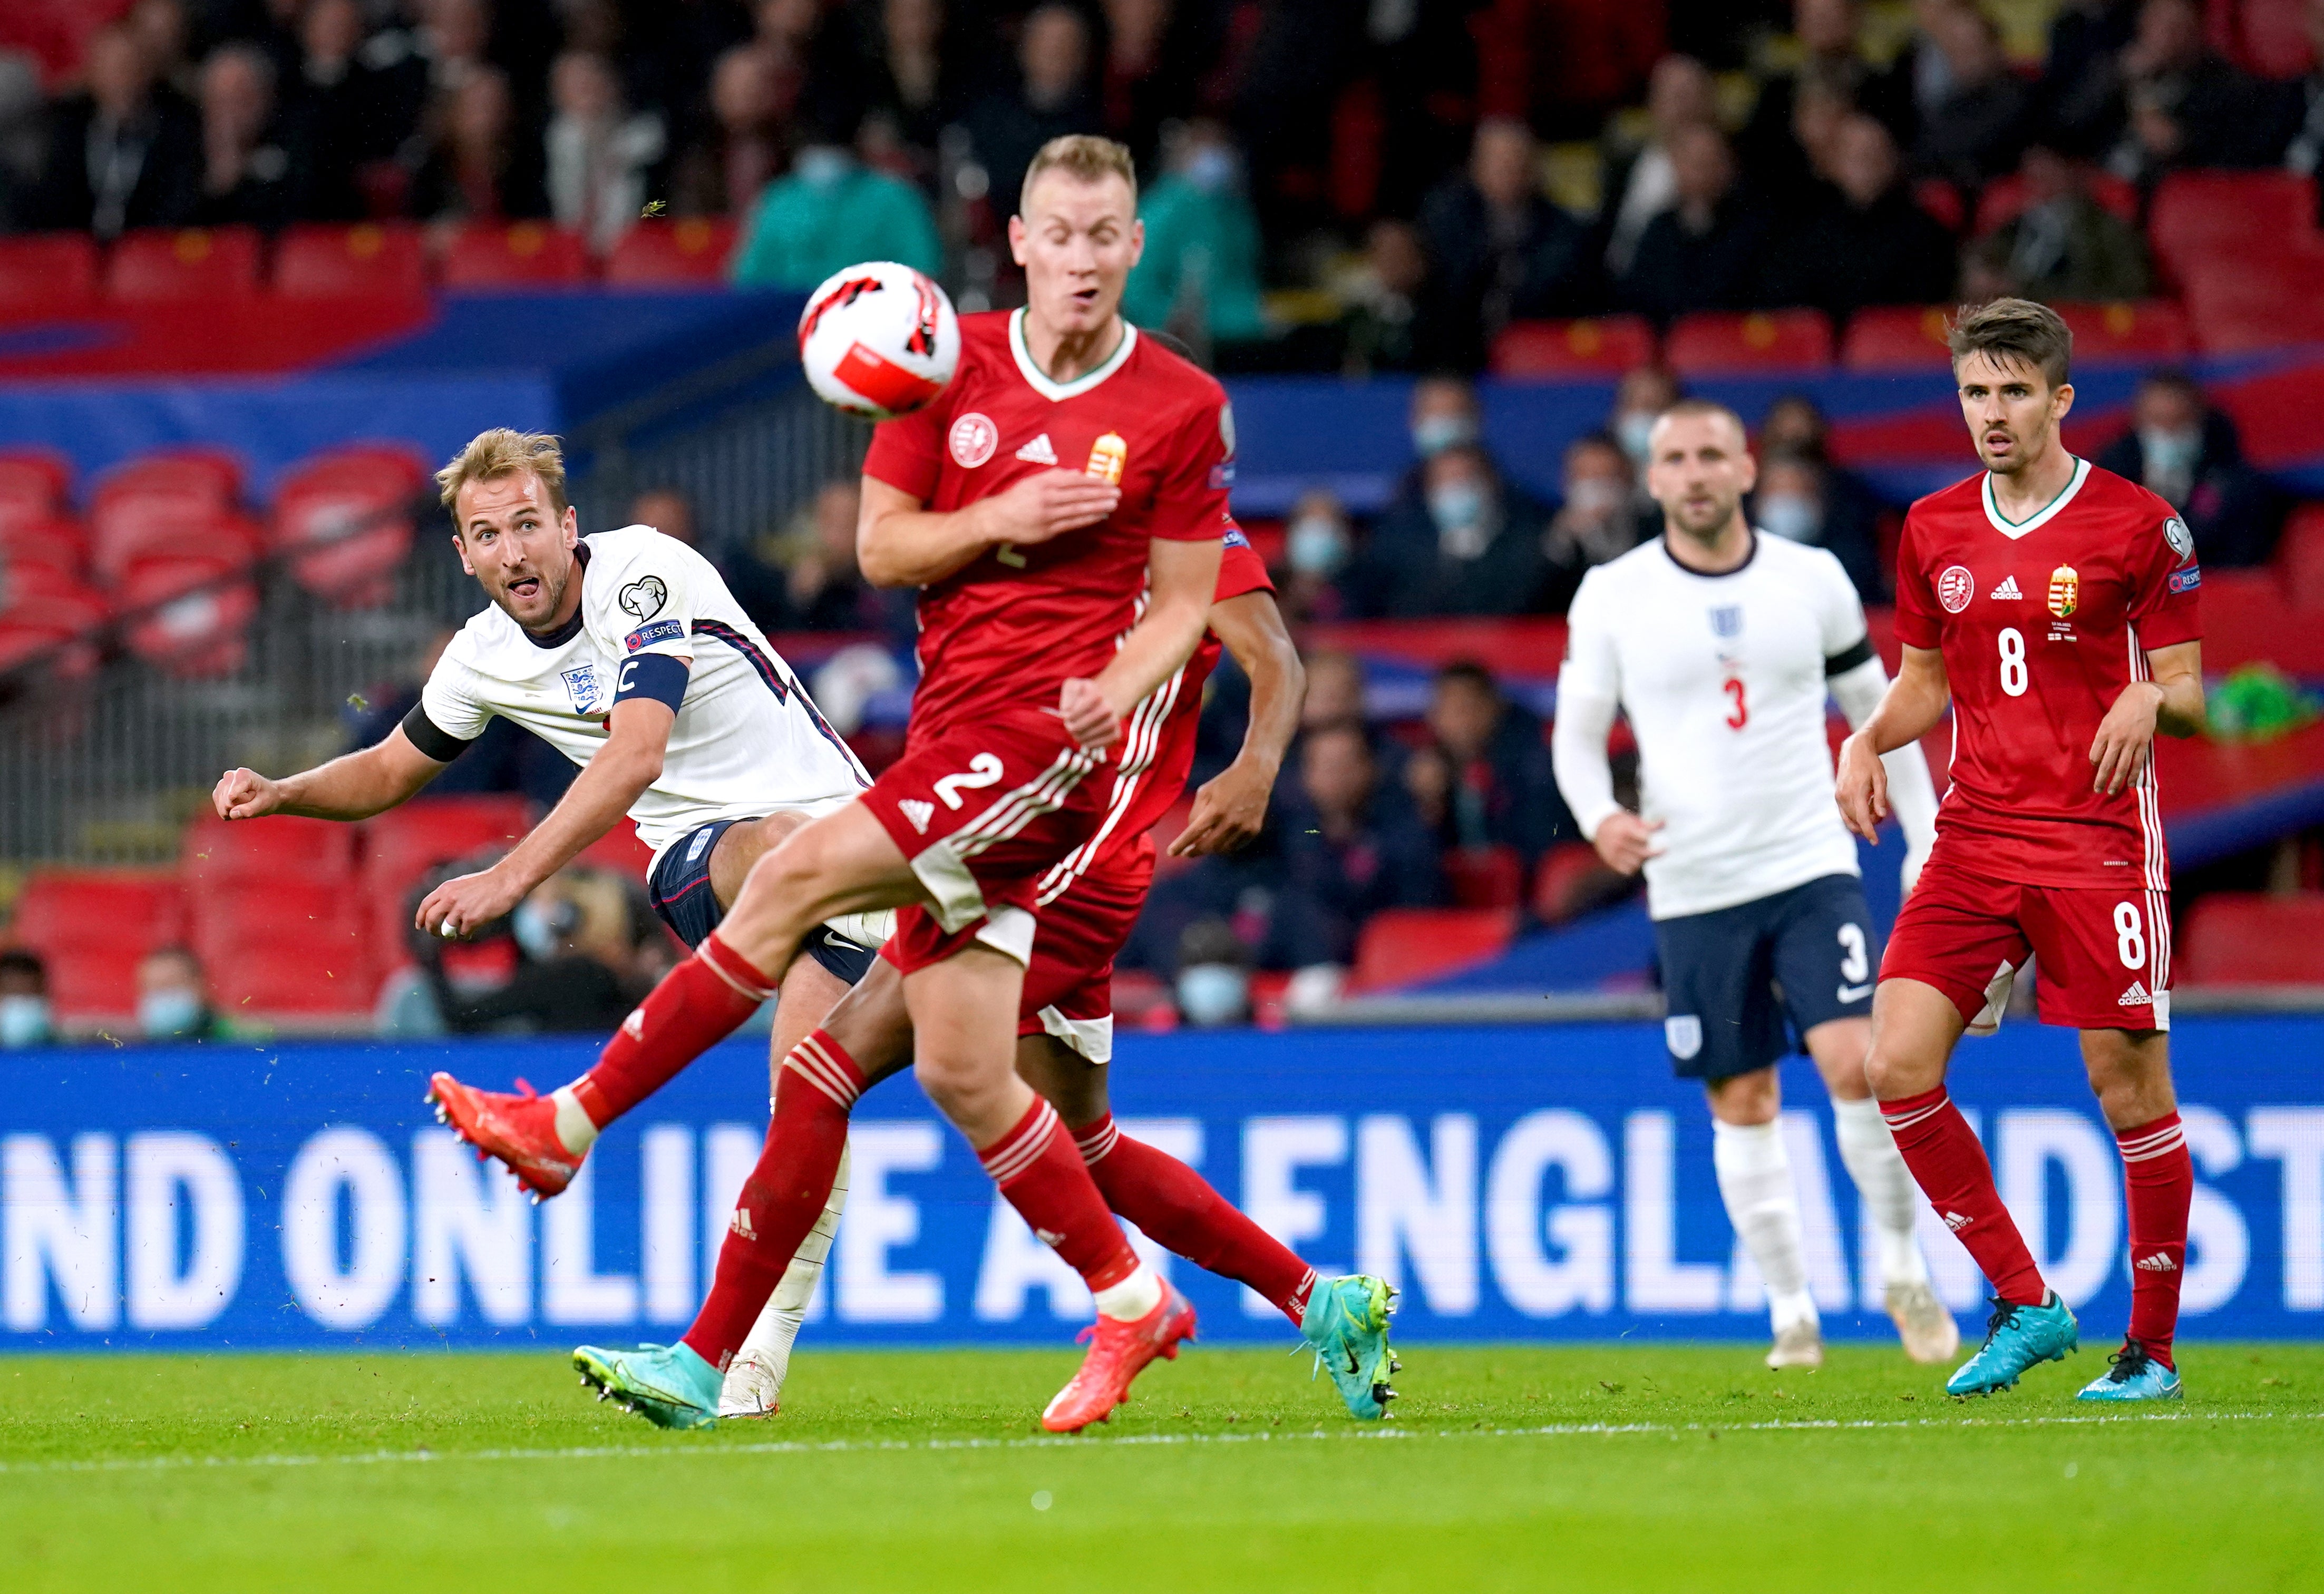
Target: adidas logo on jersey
2160, 1262
1956, 1223
2136, 997
1038, 451
740, 1224
919, 813
2008, 589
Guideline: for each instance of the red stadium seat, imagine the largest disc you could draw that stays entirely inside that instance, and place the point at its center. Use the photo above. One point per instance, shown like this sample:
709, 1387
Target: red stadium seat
2203, 217
135, 530
90, 926
672, 253
1769, 340
1606, 345
281, 846
404, 843
619, 852
351, 510
1896, 337
2153, 329
47, 274
162, 267
188, 613
285, 945
52, 543
2006, 198
1407, 946
207, 473
1485, 877
2245, 938
515, 254
1940, 199
2299, 556
373, 261
160, 502
32, 485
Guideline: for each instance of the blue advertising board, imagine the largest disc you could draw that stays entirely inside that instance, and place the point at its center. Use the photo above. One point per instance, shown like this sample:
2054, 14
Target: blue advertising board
1550, 1183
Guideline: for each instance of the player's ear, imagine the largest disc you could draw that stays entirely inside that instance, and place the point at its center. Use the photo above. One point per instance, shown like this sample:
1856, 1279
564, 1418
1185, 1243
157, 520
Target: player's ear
2061, 400
1751, 470
460, 547
1137, 241
1017, 237
572, 526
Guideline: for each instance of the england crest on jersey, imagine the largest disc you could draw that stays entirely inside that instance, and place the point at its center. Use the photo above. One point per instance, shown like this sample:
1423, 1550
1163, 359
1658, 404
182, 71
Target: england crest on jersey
1727, 621
581, 686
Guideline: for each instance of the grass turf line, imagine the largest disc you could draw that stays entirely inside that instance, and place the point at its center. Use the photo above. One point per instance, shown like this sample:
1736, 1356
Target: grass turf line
1628, 1468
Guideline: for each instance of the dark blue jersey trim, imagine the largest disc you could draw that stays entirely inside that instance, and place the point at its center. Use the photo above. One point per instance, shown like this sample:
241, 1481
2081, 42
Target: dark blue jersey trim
780, 685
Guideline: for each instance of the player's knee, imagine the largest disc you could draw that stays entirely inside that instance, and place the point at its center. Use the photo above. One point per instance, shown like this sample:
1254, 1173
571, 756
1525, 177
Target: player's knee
959, 1088
1752, 1098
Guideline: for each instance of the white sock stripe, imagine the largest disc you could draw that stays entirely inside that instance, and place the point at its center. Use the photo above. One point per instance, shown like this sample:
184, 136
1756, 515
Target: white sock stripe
1906, 1121
1012, 1158
747, 992
1098, 1142
2169, 1128
843, 1084
2162, 1145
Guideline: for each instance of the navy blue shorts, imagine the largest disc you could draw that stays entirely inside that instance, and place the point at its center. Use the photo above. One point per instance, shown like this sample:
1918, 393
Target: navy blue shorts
1734, 976
682, 899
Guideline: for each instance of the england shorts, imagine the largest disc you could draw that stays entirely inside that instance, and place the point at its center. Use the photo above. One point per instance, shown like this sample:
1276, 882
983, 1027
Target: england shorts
2104, 955
982, 812
680, 892
1069, 984
1733, 976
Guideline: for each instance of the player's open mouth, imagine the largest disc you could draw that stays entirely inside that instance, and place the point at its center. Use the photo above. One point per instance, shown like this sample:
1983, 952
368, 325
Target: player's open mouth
524, 586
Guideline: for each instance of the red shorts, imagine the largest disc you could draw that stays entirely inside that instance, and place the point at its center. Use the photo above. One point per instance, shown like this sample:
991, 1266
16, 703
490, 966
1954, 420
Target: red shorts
2104, 955
1069, 984
983, 812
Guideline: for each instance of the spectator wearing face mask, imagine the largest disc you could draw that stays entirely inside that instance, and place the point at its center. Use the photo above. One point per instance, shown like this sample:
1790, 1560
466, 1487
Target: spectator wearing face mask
1481, 553
1444, 413
1199, 275
2182, 450
173, 1002
831, 211
1317, 548
25, 1018
1597, 520
1643, 392
1794, 500
1214, 984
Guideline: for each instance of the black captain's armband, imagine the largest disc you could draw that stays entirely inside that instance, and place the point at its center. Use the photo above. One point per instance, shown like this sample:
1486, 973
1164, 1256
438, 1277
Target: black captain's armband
656, 676
431, 738
1840, 663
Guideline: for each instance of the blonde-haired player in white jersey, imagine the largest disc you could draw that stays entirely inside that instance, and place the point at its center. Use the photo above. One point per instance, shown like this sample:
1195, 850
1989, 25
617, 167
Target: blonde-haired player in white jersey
625, 651
1721, 643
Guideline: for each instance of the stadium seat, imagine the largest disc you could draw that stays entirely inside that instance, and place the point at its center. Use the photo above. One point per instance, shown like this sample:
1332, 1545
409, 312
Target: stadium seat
515, 254
158, 266
1570, 881
2004, 199
49, 543
32, 485
1484, 877
1896, 337
2300, 556
160, 503
372, 261
1772, 340
618, 852
2199, 217
210, 474
131, 531
46, 615
188, 613
286, 945
2266, 38
90, 926
2153, 329
1407, 946
2246, 938
1940, 199
404, 843
1606, 345
218, 852
351, 513
47, 274
672, 253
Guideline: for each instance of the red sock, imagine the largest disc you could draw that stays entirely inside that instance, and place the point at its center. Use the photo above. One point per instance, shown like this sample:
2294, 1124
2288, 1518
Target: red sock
783, 1196
704, 999
2160, 1178
1178, 1210
1949, 1167
1039, 1170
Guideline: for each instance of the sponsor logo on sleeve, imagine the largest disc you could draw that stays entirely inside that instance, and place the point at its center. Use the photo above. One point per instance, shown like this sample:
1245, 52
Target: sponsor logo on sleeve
643, 598
2181, 540
646, 636
2187, 579
1955, 587
973, 440
1227, 430
1235, 538
2065, 590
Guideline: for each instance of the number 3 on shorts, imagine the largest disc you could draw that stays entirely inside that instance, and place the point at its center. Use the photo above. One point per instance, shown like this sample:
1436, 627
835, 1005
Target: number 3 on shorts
2129, 936
983, 770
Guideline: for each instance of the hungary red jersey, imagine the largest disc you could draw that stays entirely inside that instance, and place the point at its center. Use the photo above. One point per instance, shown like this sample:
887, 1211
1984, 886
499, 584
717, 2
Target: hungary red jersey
2042, 624
1013, 625
1158, 739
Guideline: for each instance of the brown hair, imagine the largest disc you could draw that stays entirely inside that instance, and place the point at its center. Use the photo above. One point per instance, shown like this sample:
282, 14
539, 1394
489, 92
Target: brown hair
504, 452
1085, 158
2016, 330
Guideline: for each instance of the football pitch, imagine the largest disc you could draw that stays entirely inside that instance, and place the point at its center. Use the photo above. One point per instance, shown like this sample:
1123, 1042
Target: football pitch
1505, 1467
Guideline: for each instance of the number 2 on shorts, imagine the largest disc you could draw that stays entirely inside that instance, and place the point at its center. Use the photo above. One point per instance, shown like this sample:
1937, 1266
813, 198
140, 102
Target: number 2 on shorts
984, 770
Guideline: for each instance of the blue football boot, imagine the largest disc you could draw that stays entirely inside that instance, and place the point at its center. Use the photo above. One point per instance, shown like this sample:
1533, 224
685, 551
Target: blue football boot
1346, 1321
669, 1385
2015, 1338
2133, 1375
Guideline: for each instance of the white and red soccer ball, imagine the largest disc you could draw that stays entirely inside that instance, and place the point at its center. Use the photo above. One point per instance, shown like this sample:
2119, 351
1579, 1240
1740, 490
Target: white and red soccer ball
878, 340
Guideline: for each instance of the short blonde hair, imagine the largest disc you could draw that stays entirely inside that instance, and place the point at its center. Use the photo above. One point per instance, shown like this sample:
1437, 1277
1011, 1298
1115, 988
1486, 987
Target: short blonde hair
505, 452
1085, 158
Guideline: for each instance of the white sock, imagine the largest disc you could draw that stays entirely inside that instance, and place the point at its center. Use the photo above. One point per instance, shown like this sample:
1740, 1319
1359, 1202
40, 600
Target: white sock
765, 1359
1133, 1297
575, 1132
1885, 1186
1755, 1180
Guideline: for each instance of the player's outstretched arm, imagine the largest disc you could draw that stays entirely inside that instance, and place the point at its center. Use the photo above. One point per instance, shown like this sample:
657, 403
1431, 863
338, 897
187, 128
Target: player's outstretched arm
2171, 704
1909, 710
615, 778
354, 787
1180, 579
898, 543
1858, 692
1231, 809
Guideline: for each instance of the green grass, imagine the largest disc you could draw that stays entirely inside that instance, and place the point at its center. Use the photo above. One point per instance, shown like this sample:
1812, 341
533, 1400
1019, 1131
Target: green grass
1615, 1467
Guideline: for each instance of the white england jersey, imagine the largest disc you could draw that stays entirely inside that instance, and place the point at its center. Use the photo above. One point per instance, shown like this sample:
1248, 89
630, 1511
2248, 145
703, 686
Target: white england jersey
747, 741
1724, 680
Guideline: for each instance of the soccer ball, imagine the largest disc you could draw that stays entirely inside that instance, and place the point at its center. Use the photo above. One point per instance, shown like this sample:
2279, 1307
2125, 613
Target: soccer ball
878, 340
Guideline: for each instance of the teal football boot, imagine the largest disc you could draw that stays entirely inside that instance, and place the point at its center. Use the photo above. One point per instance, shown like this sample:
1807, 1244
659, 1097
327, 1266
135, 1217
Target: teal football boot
1346, 1321
669, 1385
2133, 1375
2016, 1338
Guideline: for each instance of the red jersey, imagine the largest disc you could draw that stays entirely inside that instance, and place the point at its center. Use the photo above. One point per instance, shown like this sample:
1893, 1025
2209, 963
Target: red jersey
2042, 625
1158, 739
1014, 624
